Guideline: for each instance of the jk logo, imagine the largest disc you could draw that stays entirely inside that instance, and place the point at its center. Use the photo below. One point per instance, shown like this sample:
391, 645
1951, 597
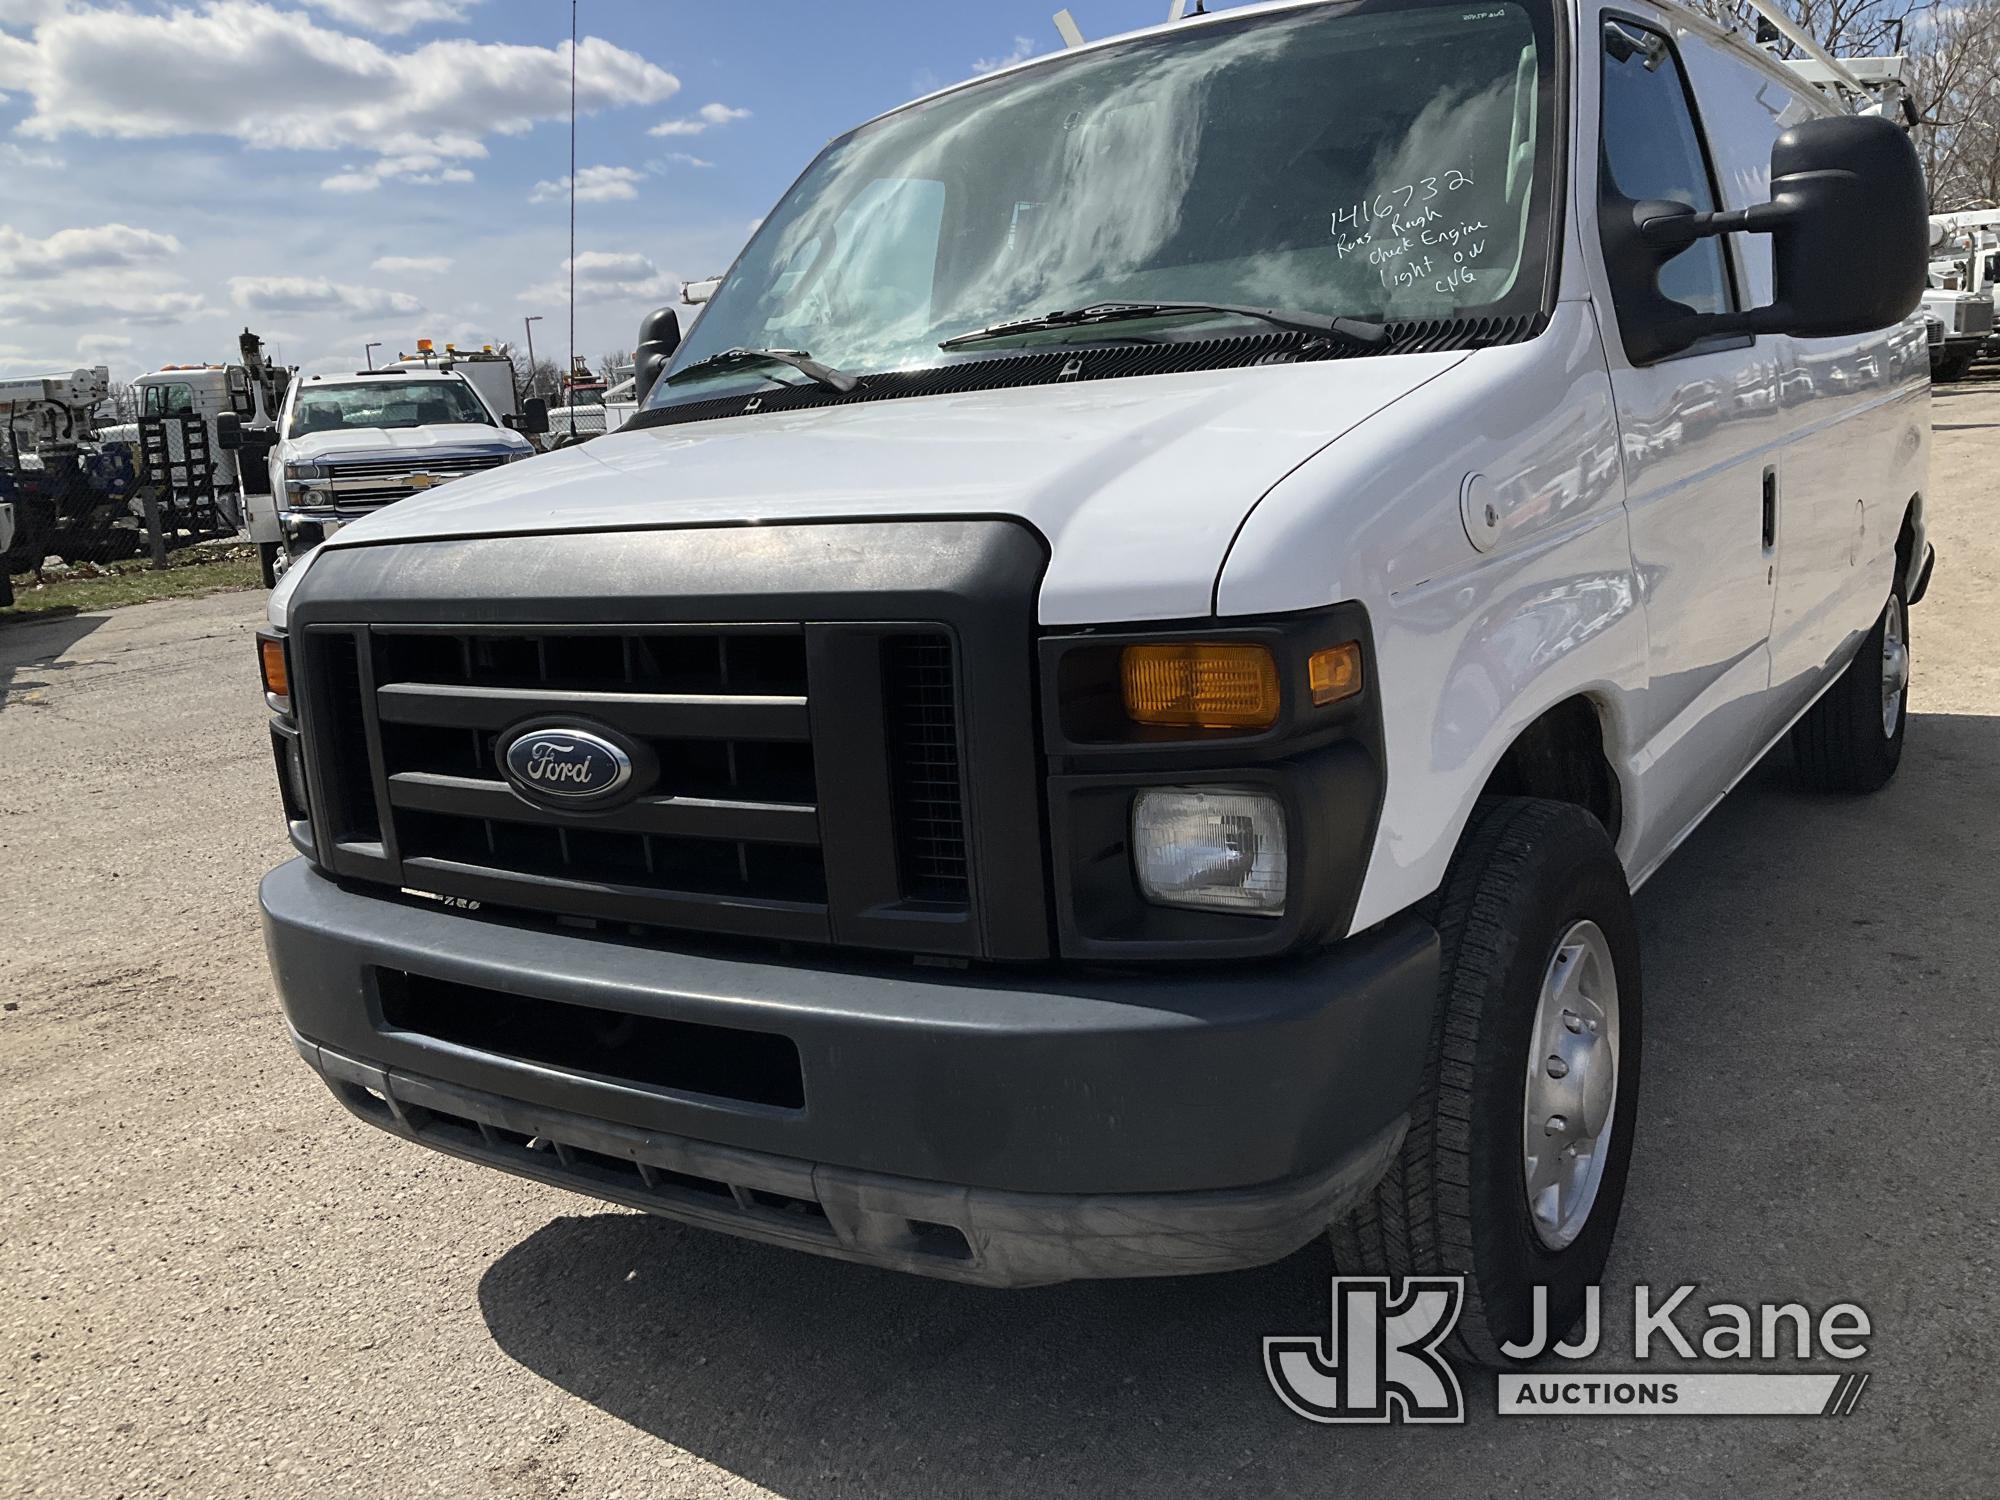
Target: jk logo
1380, 1363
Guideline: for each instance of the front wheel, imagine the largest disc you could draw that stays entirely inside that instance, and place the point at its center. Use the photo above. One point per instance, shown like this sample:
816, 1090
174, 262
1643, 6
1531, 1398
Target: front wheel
1852, 739
1514, 1169
271, 562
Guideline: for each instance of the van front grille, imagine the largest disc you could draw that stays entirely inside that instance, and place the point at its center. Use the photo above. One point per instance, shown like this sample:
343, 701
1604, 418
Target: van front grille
727, 838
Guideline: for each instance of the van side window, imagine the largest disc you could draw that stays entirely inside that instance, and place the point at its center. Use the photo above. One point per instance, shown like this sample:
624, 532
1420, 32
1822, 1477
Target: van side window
1653, 149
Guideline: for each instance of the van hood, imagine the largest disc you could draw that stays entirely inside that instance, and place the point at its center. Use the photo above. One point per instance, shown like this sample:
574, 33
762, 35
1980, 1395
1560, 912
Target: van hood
352, 442
1137, 485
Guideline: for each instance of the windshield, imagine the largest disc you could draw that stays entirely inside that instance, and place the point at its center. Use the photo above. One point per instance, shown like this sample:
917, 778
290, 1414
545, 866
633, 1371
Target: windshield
1379, 159
386, 403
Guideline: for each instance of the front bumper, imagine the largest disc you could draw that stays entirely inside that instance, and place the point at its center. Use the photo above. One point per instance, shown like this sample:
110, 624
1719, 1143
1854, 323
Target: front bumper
995, 1126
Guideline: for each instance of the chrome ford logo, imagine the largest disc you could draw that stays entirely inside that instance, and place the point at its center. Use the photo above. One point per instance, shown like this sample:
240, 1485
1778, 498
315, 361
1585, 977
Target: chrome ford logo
566, 766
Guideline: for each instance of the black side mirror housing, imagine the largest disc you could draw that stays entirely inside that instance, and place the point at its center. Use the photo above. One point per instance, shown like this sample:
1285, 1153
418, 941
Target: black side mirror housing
1850, 242
534, 417
659, 337
228, 432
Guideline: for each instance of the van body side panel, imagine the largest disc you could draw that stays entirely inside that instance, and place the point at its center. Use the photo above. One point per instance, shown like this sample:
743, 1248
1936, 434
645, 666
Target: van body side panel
1472, 646
1852, 412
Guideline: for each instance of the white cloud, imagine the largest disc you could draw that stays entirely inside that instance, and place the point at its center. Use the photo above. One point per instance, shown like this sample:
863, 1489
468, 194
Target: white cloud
103, 344
687, 160
275, 78
107, 301
593, 185
394, 16
423, 168
19, 156
705, 118
318, 294
419, 265
24, 15
23, 258
609, 276
1024, 48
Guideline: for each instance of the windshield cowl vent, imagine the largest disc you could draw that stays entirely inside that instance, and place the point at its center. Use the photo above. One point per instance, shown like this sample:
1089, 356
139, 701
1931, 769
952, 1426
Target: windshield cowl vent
1071, 362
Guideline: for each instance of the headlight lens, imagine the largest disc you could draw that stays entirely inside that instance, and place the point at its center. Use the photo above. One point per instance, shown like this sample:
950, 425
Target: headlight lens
306, 471
1211, 848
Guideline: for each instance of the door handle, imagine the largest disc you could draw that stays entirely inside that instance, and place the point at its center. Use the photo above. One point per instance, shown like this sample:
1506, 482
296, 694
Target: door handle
1770, 509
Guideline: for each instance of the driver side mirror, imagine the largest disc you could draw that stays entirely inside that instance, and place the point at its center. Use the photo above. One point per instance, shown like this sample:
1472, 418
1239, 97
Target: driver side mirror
659, 337
534, 417
228, 432
1850, 235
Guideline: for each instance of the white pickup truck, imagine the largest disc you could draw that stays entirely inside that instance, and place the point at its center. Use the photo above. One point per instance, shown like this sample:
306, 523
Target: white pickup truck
1104, 717
349, 444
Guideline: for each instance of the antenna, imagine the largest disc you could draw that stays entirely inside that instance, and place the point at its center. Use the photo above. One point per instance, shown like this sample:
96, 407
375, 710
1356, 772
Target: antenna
572, 204
1067, 29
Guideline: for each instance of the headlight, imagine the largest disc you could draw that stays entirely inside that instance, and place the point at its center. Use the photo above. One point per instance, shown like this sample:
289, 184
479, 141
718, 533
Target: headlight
307, 471
1211, 848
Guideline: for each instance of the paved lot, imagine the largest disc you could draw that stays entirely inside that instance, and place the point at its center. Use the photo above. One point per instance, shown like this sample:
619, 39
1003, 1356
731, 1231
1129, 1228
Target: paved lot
213, 1282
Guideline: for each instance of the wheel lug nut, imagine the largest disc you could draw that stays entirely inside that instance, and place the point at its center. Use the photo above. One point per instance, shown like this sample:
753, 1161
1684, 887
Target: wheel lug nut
1558, 1068
1555, 1125
1572, 1022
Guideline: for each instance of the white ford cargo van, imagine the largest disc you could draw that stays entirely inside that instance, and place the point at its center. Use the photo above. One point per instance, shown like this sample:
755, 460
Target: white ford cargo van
1103, 718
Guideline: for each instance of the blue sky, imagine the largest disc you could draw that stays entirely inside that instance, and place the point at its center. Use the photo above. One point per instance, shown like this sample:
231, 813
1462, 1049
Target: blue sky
333, 172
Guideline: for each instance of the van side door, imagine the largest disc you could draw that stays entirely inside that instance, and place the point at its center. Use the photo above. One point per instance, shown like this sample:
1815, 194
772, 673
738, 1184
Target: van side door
1695, 431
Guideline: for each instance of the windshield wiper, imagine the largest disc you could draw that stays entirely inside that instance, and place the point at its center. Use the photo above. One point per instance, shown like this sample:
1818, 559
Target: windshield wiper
1356, 333
798, 359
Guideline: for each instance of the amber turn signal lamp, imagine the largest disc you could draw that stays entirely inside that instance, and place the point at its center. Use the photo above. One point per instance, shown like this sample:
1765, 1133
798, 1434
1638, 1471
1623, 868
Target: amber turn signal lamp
1335, 673
277, 676
1201, 685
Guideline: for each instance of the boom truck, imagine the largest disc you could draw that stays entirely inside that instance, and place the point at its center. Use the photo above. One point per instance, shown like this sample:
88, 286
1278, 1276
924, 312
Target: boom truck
63, 487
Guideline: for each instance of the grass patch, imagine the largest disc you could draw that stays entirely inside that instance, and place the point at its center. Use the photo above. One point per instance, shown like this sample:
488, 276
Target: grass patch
188, 575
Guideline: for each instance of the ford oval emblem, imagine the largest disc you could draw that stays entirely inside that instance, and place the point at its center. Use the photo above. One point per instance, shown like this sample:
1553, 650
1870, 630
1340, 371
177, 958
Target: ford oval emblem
566, 766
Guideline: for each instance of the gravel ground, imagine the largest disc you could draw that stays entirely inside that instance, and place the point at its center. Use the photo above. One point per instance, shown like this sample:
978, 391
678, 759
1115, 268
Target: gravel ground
214, 1282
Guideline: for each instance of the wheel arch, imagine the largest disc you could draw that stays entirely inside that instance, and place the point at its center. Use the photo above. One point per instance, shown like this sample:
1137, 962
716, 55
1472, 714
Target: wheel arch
1563, 755
1912, 548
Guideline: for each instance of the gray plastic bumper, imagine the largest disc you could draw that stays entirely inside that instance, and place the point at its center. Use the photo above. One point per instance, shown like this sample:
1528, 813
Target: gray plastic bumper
985, 1236
1031, 1125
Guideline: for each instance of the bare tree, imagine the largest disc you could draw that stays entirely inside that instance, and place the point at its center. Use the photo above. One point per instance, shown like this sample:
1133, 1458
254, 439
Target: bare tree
120, 404
1956, 84
543, 378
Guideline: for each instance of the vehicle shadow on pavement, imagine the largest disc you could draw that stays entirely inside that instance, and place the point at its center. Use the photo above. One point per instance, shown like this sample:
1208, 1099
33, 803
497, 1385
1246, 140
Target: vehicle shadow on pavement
1792, 941
29, 648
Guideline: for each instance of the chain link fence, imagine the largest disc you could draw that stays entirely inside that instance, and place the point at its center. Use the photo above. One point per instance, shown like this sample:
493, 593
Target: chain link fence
137, 492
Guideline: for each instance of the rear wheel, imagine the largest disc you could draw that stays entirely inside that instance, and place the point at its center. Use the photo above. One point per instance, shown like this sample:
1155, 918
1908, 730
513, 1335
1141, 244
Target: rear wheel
1852, 739
1514, 1169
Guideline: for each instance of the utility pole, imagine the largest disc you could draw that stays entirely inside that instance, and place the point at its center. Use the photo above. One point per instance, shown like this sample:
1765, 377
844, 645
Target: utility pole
529, 325
368, 352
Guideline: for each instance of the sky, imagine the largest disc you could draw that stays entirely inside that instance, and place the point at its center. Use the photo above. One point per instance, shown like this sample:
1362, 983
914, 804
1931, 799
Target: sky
332, 173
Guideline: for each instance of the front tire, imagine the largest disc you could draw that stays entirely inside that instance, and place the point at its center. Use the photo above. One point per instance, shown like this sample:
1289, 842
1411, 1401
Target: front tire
1520, 1140
1852, 739
271, 562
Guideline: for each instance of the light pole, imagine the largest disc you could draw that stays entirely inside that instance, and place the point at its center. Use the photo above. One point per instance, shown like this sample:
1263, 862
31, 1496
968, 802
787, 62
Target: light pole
368, 352
529, 325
